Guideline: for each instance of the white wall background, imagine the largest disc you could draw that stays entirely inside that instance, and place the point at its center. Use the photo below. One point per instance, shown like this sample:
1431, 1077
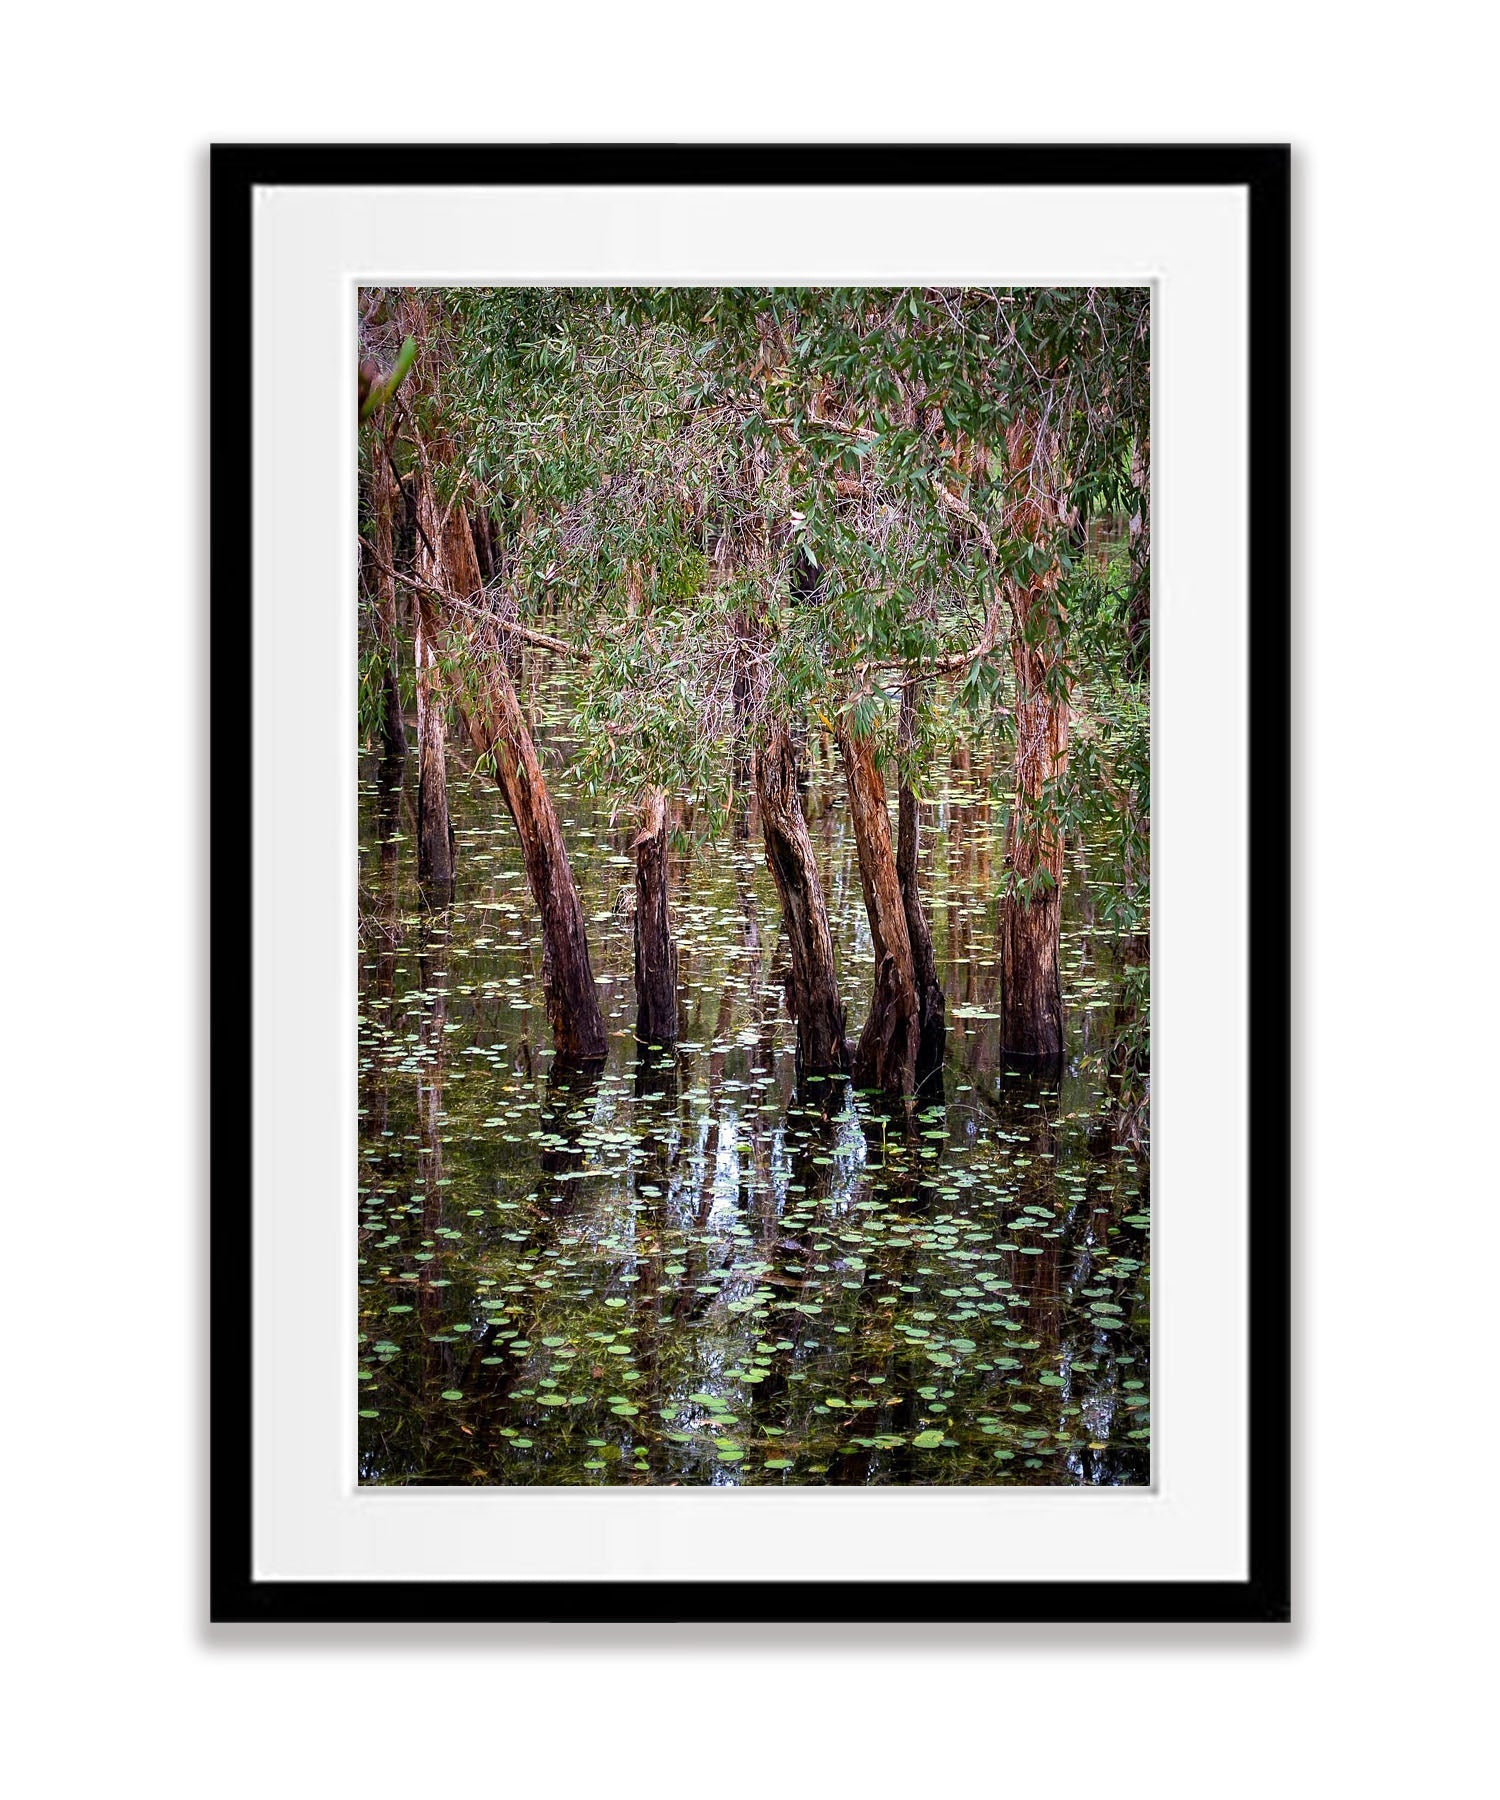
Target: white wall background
1382, 1687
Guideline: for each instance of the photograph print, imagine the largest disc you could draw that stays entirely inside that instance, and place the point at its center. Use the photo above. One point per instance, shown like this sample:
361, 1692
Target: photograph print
754, 886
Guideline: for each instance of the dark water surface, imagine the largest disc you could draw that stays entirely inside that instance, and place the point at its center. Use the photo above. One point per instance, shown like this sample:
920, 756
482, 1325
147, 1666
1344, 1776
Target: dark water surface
682, 1270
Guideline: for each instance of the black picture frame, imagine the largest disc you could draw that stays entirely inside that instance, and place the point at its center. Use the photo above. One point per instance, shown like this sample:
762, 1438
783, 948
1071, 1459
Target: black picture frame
1263, 171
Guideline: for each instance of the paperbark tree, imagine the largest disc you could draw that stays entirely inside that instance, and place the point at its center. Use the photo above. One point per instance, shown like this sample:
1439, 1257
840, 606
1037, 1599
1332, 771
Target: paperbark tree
1031, 1011
655, 952
392, 720
812, 994
498, 730
931, 1008
886, 1056
492, 716
435, 847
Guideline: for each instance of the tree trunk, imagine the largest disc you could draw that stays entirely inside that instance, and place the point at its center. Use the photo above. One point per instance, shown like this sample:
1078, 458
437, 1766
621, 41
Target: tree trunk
812, 994
497, 728
655, 953
887, 1054
434, 831
931, 1011
1031, 1014
392, 722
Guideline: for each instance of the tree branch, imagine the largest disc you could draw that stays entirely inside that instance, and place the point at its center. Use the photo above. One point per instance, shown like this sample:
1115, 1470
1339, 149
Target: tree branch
540, 638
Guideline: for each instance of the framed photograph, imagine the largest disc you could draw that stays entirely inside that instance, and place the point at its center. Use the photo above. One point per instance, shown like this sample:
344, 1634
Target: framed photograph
757, 1002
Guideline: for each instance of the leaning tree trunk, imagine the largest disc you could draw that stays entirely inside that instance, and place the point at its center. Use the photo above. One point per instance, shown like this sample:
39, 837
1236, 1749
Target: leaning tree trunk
812, 994
931, 1011
655, 953
497, 728
1031, 1014
434, 830
886, 1057
392, 721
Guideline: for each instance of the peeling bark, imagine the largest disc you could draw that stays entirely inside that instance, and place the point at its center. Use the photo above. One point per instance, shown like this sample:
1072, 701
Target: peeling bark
392, 721
655, 952
435, 858
812, 994
1031, 1013
434, 831
931, 1009
886, 1057
497, 728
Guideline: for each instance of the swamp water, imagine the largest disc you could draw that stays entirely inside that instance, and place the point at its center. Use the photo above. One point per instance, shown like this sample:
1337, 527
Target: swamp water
681, 1269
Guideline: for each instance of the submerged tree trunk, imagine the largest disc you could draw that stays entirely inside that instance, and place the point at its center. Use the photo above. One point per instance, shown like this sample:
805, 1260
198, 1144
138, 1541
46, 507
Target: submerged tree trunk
931, 1010
434, 831
1031, 1014
655, 953
497, 728
812, 994
392, 721
886, 1057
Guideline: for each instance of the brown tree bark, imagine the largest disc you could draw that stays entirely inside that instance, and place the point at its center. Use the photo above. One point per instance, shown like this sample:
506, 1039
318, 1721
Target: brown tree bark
812, 994
435, 859
1031, 1013
497, 728
453, 537
886, 1057
931, 1010
434, 830
655, 952
392, 722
